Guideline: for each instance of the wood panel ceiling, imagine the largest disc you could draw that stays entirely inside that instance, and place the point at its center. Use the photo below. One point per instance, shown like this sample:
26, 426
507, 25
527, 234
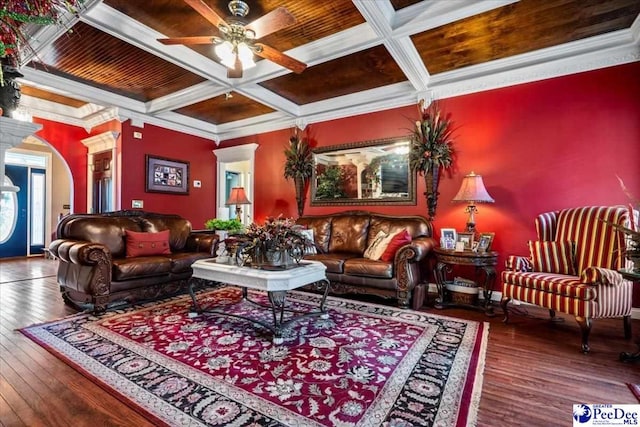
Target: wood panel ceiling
362, 56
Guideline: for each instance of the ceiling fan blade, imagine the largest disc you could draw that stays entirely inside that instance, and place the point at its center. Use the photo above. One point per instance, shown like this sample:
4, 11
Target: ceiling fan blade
279, 58
236, 73
188, 40
271, 22
209, 14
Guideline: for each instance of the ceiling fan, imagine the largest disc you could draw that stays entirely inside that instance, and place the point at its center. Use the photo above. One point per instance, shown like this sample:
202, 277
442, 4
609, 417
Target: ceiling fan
237, 42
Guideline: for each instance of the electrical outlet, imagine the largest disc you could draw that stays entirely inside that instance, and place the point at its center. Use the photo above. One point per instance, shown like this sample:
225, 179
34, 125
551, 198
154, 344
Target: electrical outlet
137, 135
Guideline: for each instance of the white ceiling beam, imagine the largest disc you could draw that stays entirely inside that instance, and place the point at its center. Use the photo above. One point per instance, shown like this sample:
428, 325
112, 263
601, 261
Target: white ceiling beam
188, 96
121, 26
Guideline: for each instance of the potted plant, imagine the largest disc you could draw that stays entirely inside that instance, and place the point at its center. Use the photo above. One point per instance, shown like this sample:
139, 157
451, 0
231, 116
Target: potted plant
298, 166
223, 226
431, 150
632, 232
14, 15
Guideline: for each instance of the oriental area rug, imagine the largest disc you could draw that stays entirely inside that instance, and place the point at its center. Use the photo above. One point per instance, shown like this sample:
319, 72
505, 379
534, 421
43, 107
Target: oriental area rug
366, 365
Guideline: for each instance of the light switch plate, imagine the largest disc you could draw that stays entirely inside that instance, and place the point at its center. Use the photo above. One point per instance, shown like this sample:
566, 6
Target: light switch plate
137, 204
197, 183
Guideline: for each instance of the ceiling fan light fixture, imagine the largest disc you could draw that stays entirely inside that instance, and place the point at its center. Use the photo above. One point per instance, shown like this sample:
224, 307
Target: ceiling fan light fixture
246, 56
224, 51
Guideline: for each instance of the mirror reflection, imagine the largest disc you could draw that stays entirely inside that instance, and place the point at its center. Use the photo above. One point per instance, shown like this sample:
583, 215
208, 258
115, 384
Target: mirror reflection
369, 172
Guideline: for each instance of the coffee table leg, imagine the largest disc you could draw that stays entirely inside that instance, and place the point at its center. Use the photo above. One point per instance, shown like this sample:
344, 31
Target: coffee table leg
195, 309
277, 300
323, 309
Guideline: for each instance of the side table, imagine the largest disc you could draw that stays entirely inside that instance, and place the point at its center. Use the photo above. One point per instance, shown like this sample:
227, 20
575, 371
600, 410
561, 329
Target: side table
484, 263
633, 276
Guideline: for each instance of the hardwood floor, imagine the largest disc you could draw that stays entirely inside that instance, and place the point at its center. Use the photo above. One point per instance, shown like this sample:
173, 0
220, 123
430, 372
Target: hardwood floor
534, 371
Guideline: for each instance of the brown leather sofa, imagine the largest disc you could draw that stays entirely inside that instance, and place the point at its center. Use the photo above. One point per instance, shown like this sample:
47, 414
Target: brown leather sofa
94, 271
342, 238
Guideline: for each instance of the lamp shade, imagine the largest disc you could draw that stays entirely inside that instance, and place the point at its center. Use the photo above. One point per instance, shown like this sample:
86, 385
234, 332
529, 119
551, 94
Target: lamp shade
472, 190
237, 197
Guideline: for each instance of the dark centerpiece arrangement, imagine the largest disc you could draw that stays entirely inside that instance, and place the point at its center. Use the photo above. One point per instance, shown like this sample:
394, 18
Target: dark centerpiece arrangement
278, 243
298, 166
430, 150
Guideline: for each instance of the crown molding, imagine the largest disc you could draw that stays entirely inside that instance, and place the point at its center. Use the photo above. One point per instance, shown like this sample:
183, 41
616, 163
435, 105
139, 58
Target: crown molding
383, 26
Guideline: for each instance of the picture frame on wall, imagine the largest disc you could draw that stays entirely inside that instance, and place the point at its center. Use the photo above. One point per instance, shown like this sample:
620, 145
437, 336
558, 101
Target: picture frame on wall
466, 239
166, 175
484, 242
448, 238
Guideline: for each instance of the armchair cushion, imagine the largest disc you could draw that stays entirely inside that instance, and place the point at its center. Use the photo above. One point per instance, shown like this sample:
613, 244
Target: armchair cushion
144, 244
551, 284
553, 257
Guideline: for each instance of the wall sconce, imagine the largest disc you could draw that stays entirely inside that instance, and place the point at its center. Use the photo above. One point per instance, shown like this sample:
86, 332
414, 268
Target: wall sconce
472, 191
237, 197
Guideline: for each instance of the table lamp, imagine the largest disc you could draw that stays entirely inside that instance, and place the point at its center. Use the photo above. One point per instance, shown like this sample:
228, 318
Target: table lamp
237, 197
472, 191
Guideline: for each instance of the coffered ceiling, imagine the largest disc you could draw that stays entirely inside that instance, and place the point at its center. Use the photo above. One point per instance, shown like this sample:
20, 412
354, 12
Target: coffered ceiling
362, 56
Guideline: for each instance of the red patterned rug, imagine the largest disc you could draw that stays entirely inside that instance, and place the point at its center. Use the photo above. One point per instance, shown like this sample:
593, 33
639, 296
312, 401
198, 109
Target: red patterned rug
366, 365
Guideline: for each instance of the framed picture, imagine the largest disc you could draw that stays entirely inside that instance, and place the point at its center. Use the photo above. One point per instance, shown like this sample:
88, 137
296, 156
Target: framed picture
484, 242
448, 237
166, 175
466, 239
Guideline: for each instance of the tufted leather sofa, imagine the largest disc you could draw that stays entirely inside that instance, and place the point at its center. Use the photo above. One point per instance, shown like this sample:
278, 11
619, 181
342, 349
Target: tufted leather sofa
94, 271
342, 238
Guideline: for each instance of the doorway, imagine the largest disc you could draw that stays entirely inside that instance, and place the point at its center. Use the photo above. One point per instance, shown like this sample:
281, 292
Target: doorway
24, 213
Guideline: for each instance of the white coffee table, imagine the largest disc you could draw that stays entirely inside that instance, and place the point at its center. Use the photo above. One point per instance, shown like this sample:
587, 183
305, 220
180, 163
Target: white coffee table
275, 282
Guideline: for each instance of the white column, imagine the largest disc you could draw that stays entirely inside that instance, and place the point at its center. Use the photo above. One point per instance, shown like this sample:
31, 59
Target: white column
12, 133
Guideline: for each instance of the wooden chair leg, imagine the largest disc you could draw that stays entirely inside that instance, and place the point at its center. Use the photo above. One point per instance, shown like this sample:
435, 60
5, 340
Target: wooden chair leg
585, 329
627, 327
503, 304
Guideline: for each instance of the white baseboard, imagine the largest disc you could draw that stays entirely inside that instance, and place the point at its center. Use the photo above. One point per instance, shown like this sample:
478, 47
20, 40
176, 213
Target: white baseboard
497, 296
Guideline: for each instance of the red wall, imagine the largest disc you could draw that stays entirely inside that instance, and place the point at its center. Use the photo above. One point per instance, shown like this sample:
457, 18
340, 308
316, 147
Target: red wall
539, 147
67, 140
199, 204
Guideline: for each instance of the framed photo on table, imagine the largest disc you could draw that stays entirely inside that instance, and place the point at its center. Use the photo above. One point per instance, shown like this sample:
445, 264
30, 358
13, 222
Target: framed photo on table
484, 242
166, 175
448, 238
466, 239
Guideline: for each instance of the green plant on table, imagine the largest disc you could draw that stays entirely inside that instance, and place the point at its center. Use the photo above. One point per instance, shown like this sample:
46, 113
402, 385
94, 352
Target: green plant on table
223, 224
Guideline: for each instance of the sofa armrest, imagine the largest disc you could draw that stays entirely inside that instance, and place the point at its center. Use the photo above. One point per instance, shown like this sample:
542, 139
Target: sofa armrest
416, 251
518, 263
202, 242
407, 264
599, 275
80, 252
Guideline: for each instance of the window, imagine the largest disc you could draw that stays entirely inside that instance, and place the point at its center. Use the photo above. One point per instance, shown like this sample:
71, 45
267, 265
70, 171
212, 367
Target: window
8, 209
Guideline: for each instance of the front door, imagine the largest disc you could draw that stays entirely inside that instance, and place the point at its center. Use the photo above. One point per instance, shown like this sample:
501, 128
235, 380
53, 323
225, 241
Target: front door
22, 231
14, 212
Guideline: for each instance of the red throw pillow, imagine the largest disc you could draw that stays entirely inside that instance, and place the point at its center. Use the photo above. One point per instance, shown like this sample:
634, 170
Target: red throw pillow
398, 241
143, 244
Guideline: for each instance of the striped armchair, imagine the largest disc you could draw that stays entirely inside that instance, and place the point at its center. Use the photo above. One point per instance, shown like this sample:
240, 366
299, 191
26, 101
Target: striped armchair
573, 268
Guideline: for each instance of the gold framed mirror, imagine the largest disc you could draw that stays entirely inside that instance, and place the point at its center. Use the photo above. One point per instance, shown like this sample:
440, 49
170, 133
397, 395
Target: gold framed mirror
373, 172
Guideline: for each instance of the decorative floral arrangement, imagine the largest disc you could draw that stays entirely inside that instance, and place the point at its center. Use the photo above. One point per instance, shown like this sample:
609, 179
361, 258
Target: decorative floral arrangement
15, 13
299, 161
276, 234
298, 166
431, 140
431, 149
